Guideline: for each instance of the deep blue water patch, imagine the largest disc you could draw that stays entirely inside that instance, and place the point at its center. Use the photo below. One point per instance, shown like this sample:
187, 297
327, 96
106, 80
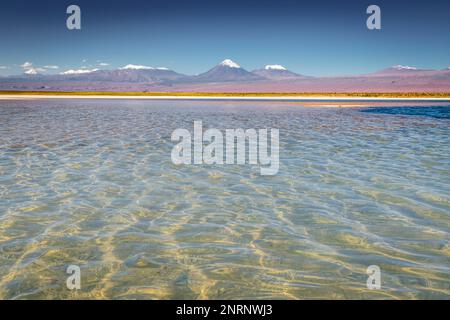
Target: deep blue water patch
441, 112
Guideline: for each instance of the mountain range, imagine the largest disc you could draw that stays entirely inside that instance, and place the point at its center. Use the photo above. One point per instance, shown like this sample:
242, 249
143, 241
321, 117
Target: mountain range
228, 76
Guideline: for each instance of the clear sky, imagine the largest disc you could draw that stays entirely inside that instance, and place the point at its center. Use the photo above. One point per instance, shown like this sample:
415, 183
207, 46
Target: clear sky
317, 37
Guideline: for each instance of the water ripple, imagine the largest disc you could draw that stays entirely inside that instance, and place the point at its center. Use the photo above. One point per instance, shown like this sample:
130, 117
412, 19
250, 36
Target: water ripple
91, 183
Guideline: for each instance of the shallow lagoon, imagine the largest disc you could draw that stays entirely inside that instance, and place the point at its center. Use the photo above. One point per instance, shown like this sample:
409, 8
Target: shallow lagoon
91, 183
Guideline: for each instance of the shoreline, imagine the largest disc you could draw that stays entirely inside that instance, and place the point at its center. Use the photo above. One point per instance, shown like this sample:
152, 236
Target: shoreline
228, 97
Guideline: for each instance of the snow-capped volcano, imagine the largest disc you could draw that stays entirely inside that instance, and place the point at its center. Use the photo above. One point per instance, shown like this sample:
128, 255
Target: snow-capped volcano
399, 70
276, 72
226, 71
135, 67
400, 67
274, 67
230, 63
129, 73
78, 71
140, 67
31, 72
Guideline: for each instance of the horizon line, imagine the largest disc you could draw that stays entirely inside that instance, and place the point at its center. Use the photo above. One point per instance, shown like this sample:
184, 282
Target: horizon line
29, 69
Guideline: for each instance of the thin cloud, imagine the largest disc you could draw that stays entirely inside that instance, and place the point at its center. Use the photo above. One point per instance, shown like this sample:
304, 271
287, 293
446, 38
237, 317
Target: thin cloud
26, 65
29, 68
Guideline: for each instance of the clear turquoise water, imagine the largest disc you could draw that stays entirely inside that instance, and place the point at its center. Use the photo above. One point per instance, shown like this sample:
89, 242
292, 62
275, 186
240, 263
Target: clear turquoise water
91, 183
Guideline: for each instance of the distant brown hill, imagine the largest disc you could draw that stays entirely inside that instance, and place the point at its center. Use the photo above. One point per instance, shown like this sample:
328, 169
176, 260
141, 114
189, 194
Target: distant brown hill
228, 76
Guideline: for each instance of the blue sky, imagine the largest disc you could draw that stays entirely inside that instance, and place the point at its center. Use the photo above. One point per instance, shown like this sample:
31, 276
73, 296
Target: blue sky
322, 37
